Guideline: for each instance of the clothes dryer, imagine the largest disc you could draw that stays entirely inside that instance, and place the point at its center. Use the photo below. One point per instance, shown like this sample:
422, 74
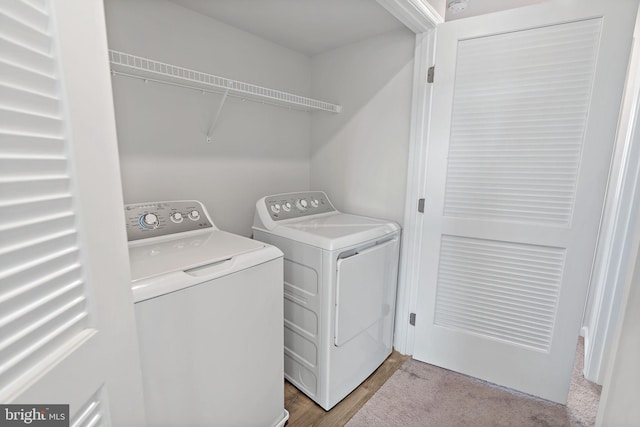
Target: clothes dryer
340, 277
209, 315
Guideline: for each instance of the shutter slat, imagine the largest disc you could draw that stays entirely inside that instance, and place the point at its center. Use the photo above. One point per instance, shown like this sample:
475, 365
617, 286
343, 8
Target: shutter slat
65, 274
14, 120
38, 349
22, 260
16, 54
14, 75
25, 335
32, 13
26, 208
33, 219
56, 270
35, 187
38, 5
18, 245
16, 144
24, 30
19, 167
26, 309
29, 100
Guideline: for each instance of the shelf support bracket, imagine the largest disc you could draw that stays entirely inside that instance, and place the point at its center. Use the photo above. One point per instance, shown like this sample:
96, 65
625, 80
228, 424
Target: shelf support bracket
217, 116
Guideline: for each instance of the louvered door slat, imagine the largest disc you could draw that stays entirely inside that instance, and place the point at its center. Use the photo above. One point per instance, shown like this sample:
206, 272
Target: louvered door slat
22, 99
35, 187
17, 144
15, 120
25, 210
21, 259
55, 273
14, 53
22, 30
30, 13
21, 77
15, 166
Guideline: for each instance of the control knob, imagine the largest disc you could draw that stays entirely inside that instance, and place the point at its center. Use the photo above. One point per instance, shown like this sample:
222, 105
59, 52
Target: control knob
314, 203
275, 208
286, 206
149, 220
302, 204
194, 215
177, 217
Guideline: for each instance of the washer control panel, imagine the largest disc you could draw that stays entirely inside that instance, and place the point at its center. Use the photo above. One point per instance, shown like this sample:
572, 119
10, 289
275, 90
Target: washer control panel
296, 205
155, 219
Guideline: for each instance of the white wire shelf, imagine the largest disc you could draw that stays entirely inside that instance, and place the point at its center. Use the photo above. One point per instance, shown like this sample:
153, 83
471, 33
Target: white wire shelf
160, 72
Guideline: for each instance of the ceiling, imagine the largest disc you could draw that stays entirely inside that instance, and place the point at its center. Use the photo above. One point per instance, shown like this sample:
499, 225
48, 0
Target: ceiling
315, 26
307, 26
480, 7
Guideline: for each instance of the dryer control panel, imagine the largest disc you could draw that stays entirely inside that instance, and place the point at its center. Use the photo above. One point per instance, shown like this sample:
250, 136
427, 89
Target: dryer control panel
295, 205
153, 219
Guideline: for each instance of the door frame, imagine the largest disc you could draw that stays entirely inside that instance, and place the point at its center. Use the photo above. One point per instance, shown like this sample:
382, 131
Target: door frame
605, 292
615, 253
420, 17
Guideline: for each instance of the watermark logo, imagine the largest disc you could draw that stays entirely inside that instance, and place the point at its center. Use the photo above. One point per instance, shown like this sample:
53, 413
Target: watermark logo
34, 415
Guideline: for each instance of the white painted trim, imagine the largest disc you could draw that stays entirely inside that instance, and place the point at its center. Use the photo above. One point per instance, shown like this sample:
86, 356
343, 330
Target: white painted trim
615, 248
421, 18
412, 232
618, 403
417, 15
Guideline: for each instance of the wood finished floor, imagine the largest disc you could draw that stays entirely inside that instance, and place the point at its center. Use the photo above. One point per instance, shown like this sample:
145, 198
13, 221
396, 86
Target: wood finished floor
303, 412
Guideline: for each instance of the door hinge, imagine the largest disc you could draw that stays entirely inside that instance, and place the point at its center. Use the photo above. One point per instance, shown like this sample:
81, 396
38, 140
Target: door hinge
421, 205
430, 72
412, 319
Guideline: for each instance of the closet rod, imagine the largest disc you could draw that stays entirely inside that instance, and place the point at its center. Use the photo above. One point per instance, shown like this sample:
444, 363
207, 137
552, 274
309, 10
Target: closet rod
161, 72
201, 90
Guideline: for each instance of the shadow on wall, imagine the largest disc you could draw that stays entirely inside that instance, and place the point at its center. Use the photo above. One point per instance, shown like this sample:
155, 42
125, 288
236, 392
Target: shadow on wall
360, 155
353, 75
166, 121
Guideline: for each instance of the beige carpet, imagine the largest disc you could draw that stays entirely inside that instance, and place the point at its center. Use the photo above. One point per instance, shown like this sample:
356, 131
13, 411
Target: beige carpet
419, 394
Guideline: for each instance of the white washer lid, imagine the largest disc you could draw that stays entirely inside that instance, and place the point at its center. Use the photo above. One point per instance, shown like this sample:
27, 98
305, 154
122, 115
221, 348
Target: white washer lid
335, 231
158, 257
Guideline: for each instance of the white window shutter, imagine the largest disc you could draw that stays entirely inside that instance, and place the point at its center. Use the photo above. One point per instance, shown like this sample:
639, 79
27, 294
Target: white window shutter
43, 302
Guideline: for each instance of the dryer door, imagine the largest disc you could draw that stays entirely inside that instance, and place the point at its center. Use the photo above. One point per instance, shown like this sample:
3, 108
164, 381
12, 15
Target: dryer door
365, 288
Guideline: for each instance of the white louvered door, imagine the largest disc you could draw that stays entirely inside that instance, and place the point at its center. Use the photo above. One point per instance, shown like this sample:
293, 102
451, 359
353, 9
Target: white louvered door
525, 107
66, 312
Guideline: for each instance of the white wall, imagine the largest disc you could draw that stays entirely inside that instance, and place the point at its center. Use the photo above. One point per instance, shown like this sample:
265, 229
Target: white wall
257, 150
621, 393
359, 157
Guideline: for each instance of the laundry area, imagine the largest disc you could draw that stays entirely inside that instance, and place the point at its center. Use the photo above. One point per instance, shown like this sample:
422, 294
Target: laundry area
357, 156
272, 127
238, 212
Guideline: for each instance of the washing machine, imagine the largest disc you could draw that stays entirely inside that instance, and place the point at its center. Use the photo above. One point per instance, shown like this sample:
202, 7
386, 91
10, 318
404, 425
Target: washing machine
340, 277
209, 315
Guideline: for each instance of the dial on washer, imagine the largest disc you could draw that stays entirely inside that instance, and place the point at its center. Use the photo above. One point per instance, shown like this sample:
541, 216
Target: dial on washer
149, 220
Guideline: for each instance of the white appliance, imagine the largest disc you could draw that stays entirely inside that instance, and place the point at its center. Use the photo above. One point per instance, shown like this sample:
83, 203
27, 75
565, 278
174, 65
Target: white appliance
209, 316
340, 274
